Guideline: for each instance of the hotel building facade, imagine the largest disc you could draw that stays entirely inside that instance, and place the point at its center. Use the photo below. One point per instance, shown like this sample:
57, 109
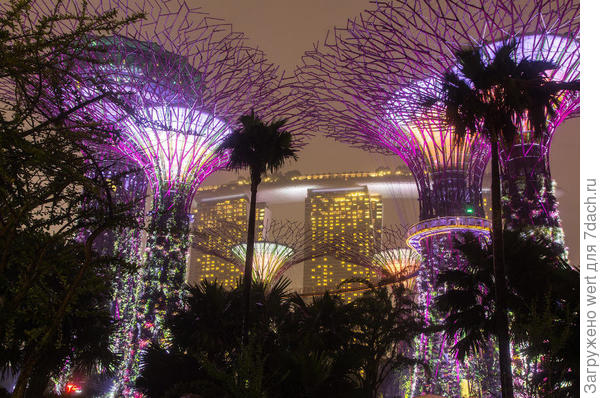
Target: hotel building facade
214, 213
342, 216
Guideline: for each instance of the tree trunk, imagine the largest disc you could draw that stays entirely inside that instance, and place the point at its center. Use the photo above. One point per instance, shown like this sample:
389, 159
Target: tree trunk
255, 180
499, 276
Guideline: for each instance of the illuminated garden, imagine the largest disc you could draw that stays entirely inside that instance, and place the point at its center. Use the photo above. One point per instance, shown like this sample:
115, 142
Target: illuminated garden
115, 113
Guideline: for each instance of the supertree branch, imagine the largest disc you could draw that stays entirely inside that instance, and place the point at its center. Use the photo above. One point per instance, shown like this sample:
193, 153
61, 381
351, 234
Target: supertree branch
542, 31
391, 259
372, 90
176, 87
281, 244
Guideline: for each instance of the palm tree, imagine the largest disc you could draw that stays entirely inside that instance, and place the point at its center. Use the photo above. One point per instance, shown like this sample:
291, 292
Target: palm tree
259, 147
542, 299
494, 99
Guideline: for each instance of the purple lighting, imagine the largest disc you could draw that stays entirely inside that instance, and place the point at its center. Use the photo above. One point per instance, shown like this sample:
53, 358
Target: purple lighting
446, 225
371, 81
542, 31
164, 125
173, 86
448, 170
528, 183
375, 83
182, 141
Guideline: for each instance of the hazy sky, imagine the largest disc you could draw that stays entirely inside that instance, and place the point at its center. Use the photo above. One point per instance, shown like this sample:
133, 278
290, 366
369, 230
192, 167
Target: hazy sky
284, 29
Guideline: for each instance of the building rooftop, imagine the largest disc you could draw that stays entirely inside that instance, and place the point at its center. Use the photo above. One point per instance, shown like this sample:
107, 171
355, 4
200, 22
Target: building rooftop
293, 186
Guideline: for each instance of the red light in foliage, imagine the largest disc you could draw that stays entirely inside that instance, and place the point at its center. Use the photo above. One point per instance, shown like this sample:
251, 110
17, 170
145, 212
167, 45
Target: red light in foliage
71, 388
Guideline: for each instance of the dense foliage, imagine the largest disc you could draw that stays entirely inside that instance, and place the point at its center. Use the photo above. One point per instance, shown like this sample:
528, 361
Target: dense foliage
543, 305
53, 285
295, 348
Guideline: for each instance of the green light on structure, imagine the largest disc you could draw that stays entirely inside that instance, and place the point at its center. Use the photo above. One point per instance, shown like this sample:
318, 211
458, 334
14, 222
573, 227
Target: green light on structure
469, 209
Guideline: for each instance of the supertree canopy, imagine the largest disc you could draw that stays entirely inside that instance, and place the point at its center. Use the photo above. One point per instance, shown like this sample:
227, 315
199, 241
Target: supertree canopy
398, 262
175, 87
542, 30
269, 260
281, 244
392, 260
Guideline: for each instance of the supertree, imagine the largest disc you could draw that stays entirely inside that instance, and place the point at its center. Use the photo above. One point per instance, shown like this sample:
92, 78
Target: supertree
392, 260
281, 244
117, 185
542, 30
371, 84
174, 86
378, 75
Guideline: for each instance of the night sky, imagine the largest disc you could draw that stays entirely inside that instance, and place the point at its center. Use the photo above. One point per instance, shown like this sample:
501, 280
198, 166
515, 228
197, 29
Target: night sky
284, 29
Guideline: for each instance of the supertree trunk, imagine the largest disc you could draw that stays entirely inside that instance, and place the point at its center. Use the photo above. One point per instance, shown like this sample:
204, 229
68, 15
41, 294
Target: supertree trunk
434, 238
449, 377
174, 86
529, 196
164, 270
127, 244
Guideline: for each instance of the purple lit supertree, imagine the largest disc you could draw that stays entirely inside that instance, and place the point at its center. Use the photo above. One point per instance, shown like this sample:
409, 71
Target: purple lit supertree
174, 86
542, 30
546, 31
281, 244
376, 77
371, 82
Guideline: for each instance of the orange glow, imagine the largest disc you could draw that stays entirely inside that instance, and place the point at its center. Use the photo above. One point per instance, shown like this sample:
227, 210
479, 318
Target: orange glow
72, 388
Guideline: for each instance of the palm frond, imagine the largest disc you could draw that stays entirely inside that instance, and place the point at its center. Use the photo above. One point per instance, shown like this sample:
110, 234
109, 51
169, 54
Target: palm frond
258, 146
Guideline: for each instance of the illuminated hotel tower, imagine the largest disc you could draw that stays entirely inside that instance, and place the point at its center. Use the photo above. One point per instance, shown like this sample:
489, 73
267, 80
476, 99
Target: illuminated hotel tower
350, 214
212, 213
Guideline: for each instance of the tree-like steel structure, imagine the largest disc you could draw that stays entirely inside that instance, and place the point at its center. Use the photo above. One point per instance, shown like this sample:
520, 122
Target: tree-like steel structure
281, 244
542, 30
123, 185
174, 85
375, 80
392, 260
370, 85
